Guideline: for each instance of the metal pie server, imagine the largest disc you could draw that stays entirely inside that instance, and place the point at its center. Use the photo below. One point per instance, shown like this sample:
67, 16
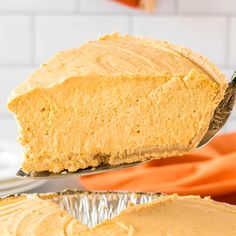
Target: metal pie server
221, 115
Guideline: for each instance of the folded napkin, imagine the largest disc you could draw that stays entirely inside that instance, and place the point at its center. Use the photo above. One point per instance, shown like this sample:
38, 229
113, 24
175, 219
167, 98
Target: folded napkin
209, 171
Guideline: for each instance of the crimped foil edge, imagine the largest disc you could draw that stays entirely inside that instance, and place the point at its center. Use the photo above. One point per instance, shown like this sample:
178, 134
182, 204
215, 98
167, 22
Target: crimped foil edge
93, 207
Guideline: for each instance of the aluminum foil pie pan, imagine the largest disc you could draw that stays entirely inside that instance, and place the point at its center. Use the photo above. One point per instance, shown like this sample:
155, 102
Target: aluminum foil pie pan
91, 208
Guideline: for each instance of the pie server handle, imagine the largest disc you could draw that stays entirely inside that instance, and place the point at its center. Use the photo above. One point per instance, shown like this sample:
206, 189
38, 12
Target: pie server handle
222, 112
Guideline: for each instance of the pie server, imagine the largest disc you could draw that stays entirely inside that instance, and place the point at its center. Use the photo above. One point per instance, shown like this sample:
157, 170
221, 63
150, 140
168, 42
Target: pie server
218, 120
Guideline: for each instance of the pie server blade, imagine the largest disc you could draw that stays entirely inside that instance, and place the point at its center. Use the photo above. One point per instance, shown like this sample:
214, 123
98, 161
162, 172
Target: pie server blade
221, 115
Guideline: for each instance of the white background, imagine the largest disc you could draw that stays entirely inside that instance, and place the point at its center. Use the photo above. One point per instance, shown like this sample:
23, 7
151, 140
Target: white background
32, 30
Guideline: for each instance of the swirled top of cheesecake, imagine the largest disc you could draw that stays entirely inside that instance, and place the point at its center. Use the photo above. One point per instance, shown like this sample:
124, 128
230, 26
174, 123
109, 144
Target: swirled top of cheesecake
30, 215
115, 55
171, 215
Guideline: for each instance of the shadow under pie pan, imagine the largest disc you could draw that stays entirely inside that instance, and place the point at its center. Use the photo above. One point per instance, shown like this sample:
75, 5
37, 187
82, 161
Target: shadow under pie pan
91, 208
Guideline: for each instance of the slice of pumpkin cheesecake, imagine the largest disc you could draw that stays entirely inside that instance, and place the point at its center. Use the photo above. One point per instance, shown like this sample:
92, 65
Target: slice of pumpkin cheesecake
119, 99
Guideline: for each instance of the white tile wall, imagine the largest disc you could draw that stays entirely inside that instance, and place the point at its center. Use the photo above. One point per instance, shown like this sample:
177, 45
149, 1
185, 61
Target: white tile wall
228, 71
39, 5
233, 42
192, 32
55, 33
32, 30
15, 44
219, 6
230, 125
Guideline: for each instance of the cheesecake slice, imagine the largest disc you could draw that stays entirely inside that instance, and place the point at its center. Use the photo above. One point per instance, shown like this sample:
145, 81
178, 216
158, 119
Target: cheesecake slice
119, 99
31, 215
173, 215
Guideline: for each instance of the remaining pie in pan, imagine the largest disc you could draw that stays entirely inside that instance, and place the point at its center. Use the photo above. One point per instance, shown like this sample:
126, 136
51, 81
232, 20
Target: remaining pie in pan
119, 99
170, 215
173, 215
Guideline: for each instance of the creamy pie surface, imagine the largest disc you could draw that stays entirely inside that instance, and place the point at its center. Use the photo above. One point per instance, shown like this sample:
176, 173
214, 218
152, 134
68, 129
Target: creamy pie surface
32, 216
171, 215
119, 99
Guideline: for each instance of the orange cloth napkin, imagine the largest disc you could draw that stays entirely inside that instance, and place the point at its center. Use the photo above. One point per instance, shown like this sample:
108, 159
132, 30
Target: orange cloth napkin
147, 5
209, 171
132, 3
